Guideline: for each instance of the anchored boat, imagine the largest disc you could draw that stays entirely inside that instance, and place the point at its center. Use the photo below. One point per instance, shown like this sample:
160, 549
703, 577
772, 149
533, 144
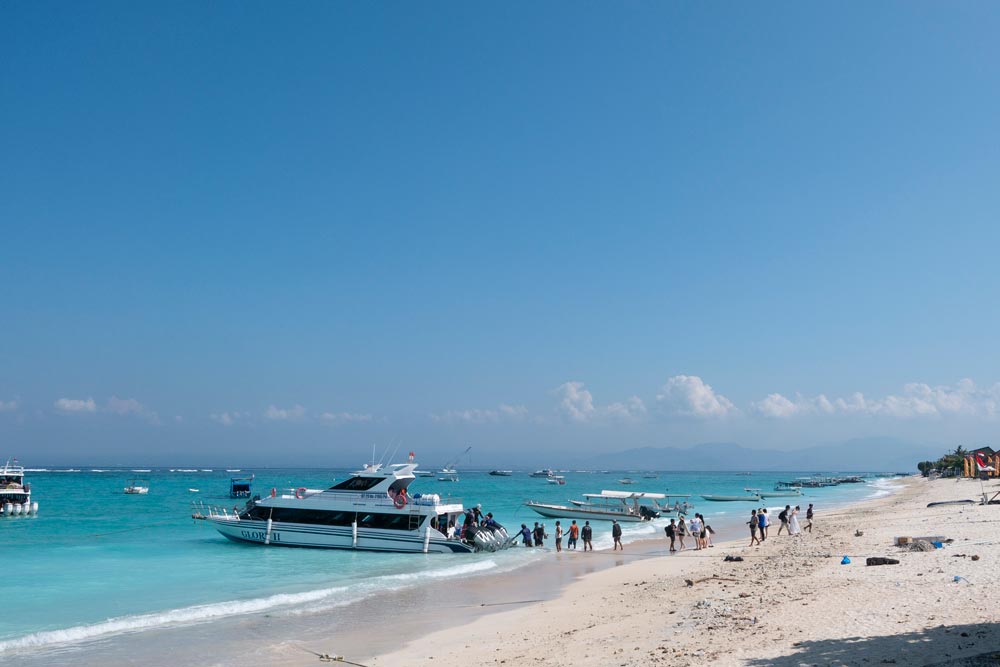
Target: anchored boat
626, 506
372, 510
137, 487
240, 487
15, 495
752, 495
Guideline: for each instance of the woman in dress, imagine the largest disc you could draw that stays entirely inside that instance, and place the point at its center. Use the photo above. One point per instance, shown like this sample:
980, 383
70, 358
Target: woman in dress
793, 522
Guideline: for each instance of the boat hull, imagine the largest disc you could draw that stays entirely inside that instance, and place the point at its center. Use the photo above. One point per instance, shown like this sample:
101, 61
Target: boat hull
564, 512
334, 537
732, 499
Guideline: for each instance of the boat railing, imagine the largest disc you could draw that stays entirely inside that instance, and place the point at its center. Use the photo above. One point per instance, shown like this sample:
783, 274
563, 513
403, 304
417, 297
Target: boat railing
202, 510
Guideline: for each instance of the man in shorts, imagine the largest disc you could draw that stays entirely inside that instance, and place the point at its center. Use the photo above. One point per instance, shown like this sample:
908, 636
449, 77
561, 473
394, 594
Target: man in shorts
809, 518
783, 518
616, 534
671, 532
559, 533
588, 535
762, 523
574, 532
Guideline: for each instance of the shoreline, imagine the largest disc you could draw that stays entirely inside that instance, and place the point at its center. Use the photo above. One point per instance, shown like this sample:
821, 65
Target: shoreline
412, 613
547, 581
791, 602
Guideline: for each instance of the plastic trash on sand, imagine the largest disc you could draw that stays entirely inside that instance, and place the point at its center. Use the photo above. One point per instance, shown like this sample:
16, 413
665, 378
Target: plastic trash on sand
845, 561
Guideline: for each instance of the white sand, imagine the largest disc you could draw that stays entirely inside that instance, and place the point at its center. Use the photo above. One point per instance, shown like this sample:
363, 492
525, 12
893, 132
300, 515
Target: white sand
793, 603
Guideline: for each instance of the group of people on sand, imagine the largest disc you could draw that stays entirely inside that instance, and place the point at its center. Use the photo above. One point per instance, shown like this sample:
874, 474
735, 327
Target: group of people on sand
696, 529
573, 534
760, 523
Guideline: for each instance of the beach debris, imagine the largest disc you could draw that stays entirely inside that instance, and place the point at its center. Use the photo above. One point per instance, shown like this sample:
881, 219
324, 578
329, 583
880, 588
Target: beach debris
900, 541
917, 545
845, 561
733, 559
859, 533
691, 583
878, 560
974, 557
958, 578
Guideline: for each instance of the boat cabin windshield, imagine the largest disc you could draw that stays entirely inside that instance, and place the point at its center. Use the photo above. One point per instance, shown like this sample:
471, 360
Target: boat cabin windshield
10, 481
357, 484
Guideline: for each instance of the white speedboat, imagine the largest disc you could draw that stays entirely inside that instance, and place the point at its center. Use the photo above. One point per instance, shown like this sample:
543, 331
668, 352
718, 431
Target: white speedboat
624, 506
556, 479
626, 480
544, 472
15, 495
372, 510
137, 487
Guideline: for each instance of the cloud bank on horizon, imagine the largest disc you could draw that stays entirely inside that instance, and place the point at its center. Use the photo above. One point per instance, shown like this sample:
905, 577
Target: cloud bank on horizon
681, 396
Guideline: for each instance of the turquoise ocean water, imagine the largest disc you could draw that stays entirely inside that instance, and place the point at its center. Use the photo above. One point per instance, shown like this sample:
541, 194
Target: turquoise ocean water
97, 565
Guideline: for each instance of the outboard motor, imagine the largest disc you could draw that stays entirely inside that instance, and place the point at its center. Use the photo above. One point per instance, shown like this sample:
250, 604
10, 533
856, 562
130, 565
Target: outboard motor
648, 513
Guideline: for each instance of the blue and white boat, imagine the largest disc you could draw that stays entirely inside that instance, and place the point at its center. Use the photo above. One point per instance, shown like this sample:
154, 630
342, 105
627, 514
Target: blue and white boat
372, 510
15, 494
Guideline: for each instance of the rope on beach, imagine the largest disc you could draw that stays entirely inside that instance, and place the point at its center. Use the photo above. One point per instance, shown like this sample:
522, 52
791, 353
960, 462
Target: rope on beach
326, 657
497, 604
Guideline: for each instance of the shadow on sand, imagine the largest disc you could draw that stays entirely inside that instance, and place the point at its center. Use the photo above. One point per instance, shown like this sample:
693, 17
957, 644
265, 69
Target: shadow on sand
946, 645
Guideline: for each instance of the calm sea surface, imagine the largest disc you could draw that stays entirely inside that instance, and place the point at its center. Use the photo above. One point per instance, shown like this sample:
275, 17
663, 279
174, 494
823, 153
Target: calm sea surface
96, 564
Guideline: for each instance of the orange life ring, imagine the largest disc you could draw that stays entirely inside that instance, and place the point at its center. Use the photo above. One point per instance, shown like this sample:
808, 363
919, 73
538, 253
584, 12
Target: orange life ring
300, 492
399, 501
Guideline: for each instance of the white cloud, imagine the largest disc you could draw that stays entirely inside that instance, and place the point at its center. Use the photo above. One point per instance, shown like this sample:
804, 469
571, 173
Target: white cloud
75, 405
229, 418
690, 396
477, 416
343, 417
575, 402
630, 410
294, 413
917, 400
8, 406
130, 406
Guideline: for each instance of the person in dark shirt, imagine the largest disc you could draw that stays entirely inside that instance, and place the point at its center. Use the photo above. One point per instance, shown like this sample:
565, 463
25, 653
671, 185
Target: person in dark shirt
809, 518
588, 535
526, 535
671, 532
616, 534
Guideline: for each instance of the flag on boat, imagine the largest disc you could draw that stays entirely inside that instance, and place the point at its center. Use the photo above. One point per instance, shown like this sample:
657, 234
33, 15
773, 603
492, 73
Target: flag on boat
981, 464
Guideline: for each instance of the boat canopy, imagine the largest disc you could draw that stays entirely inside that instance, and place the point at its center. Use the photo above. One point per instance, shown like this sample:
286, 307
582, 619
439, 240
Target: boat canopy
626, 495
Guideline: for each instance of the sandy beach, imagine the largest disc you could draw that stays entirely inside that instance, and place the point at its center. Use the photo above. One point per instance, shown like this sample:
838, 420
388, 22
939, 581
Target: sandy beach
789, 602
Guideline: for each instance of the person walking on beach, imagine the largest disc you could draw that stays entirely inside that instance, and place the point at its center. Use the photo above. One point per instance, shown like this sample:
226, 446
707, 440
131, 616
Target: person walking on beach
616, 534
762, 523
754, 526
783, 518
574, 532
671, 532
809, 518
694, 525
766, 523
681, 532
559, 532
704, 531
588, 535
793, 523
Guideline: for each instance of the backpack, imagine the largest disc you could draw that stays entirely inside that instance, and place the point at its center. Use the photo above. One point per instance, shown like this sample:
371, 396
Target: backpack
783, 516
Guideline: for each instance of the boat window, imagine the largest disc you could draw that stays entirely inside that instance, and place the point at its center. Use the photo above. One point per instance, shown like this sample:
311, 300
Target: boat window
356, 484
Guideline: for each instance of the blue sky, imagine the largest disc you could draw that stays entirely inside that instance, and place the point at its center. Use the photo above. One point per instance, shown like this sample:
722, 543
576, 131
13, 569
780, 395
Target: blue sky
277, 234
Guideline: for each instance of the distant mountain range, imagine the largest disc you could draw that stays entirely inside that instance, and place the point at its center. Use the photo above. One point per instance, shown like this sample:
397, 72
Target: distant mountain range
859, 455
